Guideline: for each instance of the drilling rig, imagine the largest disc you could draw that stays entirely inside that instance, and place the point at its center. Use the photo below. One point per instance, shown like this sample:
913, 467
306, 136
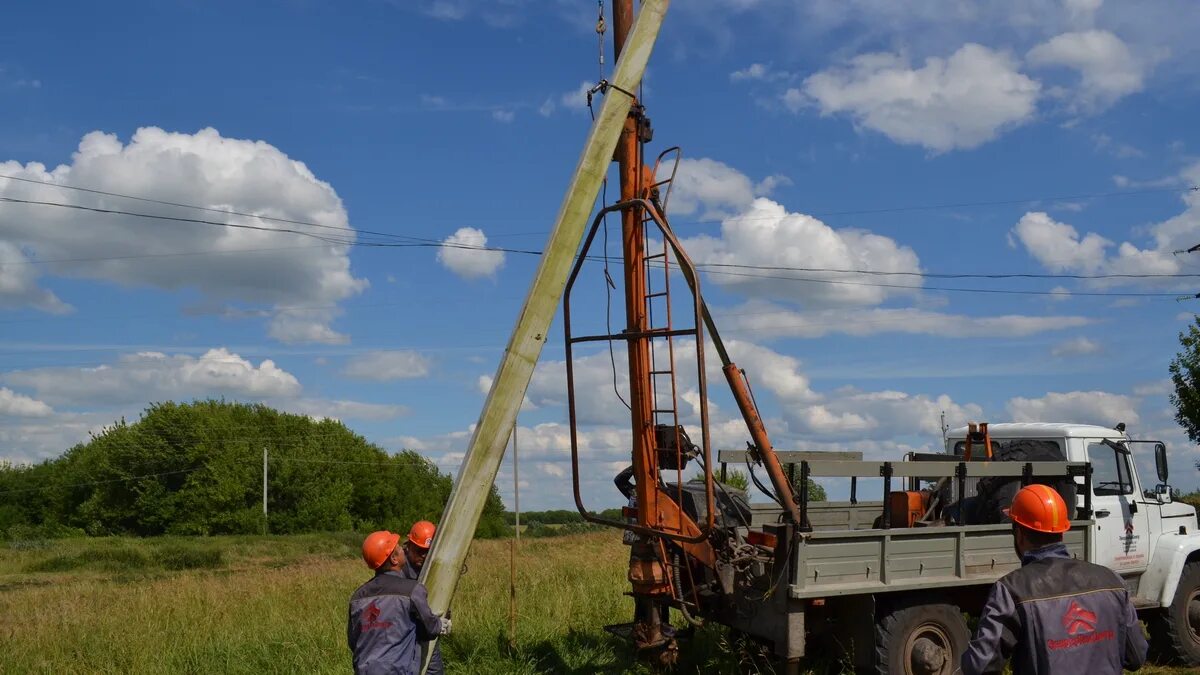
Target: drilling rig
678, 529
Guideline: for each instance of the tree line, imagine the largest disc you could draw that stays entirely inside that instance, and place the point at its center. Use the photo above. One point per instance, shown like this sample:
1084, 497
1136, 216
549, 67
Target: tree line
196, 469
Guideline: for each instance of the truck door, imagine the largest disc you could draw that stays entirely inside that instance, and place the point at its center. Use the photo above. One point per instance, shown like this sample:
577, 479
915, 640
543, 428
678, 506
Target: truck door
1122, 538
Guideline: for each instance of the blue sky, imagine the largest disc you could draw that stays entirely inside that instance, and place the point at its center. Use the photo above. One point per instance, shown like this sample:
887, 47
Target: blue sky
1037, 136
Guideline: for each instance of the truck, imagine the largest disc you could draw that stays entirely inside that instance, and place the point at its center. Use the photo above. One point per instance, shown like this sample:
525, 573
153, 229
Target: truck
894, 594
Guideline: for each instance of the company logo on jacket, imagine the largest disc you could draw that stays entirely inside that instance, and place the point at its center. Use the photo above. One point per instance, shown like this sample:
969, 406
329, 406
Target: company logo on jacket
370, 619
1080, 624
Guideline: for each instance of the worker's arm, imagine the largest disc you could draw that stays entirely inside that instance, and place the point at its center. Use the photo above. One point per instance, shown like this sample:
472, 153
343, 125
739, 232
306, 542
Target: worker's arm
996, 636
429, 625
1134, 653
624, 482
350, 628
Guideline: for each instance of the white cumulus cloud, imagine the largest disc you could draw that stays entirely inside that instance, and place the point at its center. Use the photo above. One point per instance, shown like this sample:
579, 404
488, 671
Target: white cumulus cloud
18, 283
1079, 346
385, 365
716, 189
339, 409
1058, 246
204, 169
13, 404
767, 235
153, 376
464, 254
769, 320
958, 102
850, 413
1107, 69
1078, 407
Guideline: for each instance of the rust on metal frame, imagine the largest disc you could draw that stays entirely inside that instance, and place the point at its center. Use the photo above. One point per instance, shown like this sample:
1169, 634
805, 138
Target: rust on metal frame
664, 508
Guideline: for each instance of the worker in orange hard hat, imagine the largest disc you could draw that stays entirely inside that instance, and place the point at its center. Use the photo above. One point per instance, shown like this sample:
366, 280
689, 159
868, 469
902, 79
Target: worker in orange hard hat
416, 549
1055, 614
389, 615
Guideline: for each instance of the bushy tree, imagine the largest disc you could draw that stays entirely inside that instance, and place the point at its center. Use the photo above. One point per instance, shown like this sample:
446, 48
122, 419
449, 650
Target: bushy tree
816, 492
1185, 376
196, 469
738, 479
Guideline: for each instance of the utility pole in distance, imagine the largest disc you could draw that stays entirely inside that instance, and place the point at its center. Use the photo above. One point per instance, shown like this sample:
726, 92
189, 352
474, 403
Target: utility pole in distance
512, 548
264, 489
516, 485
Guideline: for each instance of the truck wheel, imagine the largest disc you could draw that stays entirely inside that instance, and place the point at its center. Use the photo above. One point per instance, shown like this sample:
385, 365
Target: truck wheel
1175, 631
920, 639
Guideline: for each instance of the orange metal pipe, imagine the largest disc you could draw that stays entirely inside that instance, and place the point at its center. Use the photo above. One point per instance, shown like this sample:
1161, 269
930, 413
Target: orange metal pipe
629, 171
758, 434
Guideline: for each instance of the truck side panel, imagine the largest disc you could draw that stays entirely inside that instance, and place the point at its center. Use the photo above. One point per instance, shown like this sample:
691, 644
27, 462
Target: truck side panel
881, 561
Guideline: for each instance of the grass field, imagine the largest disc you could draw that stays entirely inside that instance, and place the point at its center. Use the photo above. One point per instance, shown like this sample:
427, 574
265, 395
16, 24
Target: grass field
277, 605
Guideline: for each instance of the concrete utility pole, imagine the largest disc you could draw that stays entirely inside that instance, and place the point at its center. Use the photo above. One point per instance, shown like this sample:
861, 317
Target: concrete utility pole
486, 450
264, 489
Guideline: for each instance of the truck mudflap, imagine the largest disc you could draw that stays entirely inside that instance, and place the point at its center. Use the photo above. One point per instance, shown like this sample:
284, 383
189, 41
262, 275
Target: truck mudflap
1160, 580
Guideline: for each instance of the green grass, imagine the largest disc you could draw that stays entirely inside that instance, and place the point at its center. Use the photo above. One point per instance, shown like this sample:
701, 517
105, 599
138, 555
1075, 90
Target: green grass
278, 605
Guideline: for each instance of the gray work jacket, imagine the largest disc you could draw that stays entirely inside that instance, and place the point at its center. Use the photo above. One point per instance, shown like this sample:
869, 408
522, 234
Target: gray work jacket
1057, 615
388, 616
436, 666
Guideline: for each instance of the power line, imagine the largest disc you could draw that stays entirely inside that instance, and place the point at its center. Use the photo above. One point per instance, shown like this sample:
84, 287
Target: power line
424, 241
436, 244
952, 275
1005, 202
948, 289
138, 256
842, 212
348, 240
196, 207
181, 219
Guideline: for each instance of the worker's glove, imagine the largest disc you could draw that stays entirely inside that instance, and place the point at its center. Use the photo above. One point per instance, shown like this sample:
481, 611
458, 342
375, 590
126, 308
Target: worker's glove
445, 627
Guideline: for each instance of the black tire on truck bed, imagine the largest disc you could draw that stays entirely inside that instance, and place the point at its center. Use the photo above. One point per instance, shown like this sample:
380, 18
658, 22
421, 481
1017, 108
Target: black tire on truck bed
996, 494
920, 638
1175, 630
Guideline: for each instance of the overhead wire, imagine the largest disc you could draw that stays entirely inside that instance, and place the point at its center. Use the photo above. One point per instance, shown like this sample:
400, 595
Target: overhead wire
538, 253
408, 240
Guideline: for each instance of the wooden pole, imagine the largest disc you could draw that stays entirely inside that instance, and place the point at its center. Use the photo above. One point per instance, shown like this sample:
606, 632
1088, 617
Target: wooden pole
486, 449
516, 486
512, 549
264, 489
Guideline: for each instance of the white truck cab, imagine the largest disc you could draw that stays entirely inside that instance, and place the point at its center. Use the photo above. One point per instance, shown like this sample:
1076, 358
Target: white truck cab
1138, 531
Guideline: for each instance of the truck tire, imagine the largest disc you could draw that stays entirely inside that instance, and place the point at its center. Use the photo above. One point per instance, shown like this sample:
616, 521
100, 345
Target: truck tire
1175, 631
920, 639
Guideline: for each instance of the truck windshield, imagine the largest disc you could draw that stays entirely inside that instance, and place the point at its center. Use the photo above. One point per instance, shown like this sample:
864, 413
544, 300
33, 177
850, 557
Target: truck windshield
1110, 469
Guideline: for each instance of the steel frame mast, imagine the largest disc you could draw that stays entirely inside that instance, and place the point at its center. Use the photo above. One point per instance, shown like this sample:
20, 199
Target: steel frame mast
633, 181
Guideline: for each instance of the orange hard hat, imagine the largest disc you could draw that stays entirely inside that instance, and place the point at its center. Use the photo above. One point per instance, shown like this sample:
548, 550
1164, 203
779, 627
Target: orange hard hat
421, 533
378, 546
1039, 508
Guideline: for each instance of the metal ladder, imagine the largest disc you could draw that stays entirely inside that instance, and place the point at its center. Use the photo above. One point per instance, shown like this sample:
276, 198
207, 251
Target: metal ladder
664, 412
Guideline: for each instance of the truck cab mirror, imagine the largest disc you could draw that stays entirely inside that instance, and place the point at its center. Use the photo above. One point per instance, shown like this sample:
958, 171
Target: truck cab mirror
1160, 462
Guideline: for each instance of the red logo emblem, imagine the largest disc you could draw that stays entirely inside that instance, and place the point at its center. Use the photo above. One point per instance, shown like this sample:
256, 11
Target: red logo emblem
372, 613
370, 618
1079, 621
